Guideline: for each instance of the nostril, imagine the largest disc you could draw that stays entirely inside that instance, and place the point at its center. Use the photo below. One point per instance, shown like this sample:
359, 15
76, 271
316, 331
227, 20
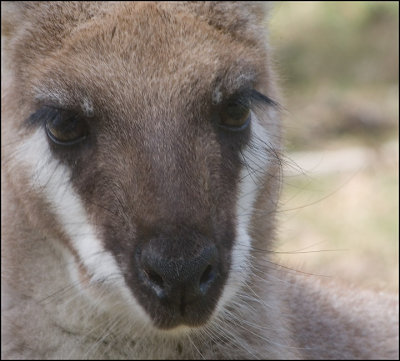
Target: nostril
154, 278
206, 275
206, 278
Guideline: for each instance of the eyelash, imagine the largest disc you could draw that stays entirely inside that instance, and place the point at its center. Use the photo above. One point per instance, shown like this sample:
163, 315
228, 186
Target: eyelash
260, 99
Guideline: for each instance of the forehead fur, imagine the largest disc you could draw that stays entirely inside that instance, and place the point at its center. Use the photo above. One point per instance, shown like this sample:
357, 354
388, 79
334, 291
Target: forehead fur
236, 17
226, 43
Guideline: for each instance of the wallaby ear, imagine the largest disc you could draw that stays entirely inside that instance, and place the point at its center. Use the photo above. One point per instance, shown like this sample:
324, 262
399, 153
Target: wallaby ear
242, 19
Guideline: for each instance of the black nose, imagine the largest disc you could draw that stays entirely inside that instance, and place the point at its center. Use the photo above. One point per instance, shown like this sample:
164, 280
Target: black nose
178, 278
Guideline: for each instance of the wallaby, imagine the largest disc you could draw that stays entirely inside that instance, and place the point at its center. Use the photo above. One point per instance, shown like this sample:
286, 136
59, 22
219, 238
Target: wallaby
141, 146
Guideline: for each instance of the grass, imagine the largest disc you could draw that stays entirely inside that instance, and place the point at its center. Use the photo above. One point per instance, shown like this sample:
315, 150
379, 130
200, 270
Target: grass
346, 223
339, 64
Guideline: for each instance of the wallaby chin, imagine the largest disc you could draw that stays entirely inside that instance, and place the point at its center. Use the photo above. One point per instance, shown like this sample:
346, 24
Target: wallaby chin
140, 179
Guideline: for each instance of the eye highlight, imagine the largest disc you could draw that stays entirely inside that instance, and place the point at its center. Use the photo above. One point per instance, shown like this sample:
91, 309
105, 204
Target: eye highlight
64, 127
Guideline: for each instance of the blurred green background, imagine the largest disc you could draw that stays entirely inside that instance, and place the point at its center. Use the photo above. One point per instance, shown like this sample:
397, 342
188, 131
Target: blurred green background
339, 69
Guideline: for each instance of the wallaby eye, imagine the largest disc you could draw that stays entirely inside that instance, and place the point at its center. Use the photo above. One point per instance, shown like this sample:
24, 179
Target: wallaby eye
236, 114
65, 127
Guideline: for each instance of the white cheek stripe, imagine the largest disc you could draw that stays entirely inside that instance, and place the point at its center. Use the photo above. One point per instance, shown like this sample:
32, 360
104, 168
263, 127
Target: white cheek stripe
52, 179
257, 162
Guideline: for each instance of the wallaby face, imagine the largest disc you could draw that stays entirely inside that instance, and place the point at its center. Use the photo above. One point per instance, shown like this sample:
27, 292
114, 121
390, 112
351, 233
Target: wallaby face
133, 128
141, 174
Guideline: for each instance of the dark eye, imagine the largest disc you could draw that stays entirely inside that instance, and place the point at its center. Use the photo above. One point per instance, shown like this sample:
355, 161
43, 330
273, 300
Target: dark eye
65, 127
235, 115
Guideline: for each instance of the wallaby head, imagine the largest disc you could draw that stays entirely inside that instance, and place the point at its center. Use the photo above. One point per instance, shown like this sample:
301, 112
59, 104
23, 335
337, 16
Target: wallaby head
141, 171
139, 134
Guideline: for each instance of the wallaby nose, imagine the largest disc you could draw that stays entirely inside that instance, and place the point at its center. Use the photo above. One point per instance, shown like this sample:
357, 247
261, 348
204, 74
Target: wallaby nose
179, 279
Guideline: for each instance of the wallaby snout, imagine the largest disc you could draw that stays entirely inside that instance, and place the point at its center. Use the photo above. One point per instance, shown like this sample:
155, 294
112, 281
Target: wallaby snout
182, 283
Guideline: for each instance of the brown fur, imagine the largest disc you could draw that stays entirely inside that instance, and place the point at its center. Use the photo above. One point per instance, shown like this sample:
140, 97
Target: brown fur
150, 70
